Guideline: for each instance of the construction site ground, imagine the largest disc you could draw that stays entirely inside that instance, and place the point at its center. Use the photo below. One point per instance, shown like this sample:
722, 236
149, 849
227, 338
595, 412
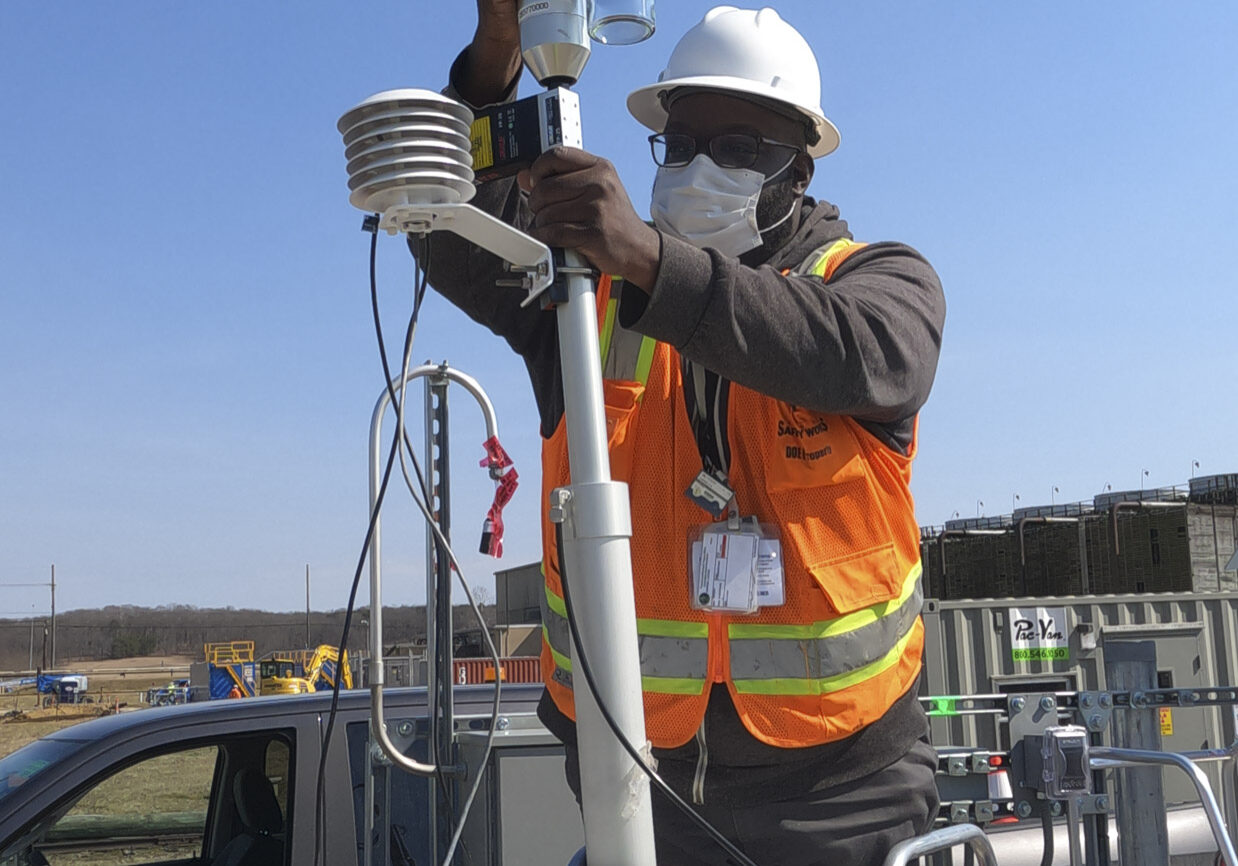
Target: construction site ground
115, 685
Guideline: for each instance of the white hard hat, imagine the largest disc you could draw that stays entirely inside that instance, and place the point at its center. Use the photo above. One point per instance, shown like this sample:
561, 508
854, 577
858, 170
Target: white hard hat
747, 52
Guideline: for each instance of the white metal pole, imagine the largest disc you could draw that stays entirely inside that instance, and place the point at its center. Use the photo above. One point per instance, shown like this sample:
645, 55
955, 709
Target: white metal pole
614, 792
53, 615
307, 610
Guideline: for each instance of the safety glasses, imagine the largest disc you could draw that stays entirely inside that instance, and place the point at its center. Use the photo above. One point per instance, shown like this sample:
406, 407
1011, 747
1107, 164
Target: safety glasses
729, 150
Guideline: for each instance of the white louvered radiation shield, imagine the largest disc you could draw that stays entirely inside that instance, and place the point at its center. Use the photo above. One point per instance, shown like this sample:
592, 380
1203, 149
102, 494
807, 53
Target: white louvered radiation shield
407, 147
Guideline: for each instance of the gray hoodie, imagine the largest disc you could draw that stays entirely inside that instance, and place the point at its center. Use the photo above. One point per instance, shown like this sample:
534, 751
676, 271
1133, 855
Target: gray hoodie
865, 344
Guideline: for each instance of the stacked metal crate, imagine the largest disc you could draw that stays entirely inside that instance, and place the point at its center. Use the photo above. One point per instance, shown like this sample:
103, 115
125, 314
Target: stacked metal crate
1159, 540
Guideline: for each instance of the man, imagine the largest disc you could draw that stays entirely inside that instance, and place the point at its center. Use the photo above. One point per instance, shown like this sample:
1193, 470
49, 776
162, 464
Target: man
753, 349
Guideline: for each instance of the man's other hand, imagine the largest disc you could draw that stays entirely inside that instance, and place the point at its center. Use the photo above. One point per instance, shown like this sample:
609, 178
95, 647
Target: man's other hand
493, 58
579, 203
497, 20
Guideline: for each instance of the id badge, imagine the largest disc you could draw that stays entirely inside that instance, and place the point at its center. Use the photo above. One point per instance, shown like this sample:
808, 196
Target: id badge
736, 566
771, 591
723, 564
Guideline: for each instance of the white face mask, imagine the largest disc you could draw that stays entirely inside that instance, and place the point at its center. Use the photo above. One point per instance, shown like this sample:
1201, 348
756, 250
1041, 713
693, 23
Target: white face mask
710, 206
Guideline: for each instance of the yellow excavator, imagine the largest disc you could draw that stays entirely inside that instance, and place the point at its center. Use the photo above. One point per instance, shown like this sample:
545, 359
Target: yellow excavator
296, 672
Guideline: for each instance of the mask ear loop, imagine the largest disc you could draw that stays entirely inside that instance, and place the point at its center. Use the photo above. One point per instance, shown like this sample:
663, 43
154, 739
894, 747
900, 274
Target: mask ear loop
785, 166
787, 215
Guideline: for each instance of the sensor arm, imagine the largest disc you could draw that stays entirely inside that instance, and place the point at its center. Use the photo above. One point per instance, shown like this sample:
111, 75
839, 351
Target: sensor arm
523, 253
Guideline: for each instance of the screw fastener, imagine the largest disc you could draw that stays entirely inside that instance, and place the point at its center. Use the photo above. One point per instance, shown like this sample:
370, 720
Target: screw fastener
1048, 703
1017, 703
1024, 809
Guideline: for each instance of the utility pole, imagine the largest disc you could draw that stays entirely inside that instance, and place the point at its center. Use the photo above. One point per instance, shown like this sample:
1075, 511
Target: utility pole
53, 614
307, 607
30, 666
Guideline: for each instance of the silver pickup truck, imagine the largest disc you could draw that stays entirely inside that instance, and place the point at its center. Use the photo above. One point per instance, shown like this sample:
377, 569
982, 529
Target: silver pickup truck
234, 783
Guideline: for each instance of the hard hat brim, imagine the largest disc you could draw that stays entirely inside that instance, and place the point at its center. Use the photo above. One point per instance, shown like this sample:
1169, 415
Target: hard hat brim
645, 104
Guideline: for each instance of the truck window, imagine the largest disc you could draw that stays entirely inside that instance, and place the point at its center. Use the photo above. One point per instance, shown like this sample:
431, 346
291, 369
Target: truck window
151, 812
278, 770
225, 801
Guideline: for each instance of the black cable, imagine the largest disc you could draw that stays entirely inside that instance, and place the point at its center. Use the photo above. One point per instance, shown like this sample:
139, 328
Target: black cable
723, 842
320, 799
1046, 825
421, 284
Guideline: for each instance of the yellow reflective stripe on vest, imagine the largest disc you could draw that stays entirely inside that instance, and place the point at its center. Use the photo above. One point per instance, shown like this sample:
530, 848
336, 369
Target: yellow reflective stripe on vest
824, 656
831, 627
561, 660
801, 686
554, 625
672, 628
644, 361
674, 656
557, 635
824, 264
608, 328
672, 686
641, 364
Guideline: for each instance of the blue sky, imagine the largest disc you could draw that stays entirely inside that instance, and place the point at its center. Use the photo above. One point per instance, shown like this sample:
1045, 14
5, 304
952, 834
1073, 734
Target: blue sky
187, 364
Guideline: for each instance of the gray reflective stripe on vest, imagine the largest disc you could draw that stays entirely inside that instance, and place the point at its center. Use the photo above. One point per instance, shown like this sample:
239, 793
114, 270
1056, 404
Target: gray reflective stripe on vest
772, 658
663, 656
673, 657
555, 628
622, 355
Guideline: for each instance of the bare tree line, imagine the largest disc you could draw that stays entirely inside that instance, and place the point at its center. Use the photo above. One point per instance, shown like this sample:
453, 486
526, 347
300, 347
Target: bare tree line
122, 631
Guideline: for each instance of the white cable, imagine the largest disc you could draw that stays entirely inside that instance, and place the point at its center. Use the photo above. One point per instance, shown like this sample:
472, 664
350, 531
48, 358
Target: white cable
494, 719
494, 656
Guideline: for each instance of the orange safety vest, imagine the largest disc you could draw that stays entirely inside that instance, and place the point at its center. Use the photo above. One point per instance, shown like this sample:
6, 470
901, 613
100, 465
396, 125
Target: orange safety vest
848, 641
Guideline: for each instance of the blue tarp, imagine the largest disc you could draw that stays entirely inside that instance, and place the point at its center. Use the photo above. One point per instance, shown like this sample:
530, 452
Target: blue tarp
221, 682
326, 677
224, 677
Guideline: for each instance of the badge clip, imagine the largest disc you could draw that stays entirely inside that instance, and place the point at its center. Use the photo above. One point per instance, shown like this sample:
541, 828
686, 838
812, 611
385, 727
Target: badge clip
711, 493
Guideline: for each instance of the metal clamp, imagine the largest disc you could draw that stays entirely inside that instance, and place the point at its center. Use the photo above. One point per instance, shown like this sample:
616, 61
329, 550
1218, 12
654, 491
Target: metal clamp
534, 280
968, 811
1094, 709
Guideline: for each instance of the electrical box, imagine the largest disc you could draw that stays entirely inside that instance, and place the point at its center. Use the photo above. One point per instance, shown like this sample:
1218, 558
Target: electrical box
507, 138
1058, 762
